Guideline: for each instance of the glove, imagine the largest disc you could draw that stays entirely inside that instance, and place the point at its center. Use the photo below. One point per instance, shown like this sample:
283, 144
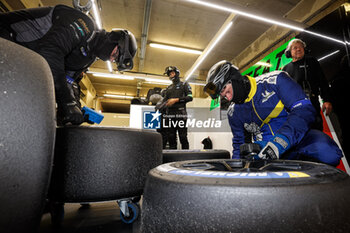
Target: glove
262, 144
69, 113
161, 106
273, 148
87, 117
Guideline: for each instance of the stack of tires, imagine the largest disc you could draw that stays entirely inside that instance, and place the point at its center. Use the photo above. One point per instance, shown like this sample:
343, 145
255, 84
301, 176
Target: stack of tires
89, 163
27, 133
244, 196
94, 163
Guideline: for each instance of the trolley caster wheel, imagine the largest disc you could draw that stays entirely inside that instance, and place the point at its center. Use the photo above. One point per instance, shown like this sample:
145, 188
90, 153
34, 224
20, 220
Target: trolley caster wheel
129, 212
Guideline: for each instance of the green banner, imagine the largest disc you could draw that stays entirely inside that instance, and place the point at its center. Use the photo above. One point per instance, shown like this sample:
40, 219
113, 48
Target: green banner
215, 103
274, 61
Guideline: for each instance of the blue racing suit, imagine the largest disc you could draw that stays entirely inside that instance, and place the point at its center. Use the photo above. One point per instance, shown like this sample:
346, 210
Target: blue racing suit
276, 104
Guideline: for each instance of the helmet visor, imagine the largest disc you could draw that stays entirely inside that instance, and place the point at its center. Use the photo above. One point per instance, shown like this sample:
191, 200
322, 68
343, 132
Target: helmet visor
125, 60
212, 90
169, 69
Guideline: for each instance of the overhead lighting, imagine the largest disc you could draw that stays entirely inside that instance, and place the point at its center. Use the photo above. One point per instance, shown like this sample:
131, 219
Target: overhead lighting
175, 48
347, 7
118, 96
165, 81
109, 65
119, 116
206, 52
117, 76
325, 37
198, 84
328, 55
260, 63
157, 83
238, 12
129, 77
96, 15
263, 19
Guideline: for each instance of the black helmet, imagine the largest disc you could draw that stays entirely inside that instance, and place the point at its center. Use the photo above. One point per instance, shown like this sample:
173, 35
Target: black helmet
169, 69
220, 74
127, 47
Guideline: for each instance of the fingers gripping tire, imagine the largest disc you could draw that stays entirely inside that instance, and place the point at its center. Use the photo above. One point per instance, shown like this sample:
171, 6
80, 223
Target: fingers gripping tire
181, 155
27, 132
238, 196
95, 163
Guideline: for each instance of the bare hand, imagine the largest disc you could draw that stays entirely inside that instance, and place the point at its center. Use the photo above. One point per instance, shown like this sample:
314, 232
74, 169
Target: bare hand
328, 107
172, 101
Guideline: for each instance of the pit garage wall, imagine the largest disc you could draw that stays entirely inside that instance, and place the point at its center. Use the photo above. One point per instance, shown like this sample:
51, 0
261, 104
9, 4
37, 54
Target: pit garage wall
221, 138
87, 93
10, 5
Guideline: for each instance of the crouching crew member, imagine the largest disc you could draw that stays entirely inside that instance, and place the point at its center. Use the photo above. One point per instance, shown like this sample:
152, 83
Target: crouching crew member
70, 42
276, 111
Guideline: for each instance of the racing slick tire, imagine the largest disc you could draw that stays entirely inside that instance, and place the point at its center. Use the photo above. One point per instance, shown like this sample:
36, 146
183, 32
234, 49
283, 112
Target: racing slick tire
28, 127
94, 163
181, 155
240, 196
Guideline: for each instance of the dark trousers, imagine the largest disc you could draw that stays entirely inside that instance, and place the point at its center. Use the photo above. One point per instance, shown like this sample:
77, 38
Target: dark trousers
318, 123
165, 136
6, 34
178, 125
316, 146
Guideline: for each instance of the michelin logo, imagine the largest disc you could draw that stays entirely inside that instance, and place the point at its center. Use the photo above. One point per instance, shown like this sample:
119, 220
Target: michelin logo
240, 175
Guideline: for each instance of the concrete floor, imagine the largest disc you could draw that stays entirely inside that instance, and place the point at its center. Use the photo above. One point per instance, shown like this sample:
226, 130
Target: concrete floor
97, 218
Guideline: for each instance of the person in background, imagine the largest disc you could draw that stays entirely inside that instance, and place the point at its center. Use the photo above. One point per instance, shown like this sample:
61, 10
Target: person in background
70, 42
275, 110
176, 96
307, 72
